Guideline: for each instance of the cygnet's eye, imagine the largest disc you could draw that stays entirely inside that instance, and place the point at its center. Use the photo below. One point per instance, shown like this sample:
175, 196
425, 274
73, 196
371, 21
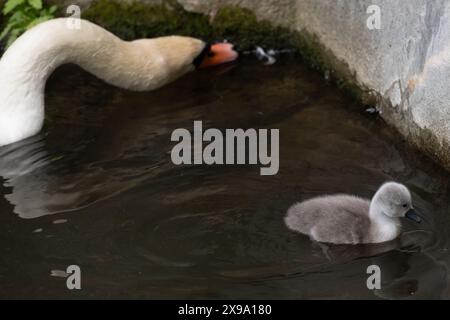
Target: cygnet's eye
404, 205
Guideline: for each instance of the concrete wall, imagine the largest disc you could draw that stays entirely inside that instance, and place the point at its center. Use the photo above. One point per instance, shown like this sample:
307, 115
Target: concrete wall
406, 63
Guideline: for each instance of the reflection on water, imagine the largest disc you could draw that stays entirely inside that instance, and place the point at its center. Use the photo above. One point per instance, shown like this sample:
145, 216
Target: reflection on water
140, 227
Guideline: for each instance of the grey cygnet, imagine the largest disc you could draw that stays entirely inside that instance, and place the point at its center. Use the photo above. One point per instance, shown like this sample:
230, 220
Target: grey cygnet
347, 219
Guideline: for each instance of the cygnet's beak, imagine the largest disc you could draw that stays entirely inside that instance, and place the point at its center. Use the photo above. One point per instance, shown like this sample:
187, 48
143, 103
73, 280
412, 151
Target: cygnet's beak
412, 214
219, 53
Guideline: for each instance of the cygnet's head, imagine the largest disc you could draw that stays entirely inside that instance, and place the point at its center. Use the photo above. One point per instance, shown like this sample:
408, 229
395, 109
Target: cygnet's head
394, 200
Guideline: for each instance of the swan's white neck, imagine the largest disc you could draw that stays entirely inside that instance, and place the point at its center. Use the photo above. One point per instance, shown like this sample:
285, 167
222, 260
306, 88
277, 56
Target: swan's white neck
382, 228
27, 64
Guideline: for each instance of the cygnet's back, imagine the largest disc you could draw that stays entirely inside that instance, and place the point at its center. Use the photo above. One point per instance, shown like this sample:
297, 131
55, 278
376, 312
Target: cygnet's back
332, 219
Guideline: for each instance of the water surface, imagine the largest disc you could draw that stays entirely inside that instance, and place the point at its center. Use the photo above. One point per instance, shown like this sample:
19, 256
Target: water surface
97, 188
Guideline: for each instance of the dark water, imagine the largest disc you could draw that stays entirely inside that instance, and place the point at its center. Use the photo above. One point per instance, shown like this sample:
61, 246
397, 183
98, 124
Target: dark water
97, 189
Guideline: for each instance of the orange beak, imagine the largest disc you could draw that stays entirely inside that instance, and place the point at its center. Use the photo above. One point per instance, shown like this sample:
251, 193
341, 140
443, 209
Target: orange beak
219, 53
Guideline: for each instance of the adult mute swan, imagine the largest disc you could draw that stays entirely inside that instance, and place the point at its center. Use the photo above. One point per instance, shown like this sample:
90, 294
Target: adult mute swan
346, 219
139, 65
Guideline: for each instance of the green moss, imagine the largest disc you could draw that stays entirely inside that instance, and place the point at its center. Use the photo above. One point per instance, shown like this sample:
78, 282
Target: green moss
140, 20
322, 59
132, 20
241, 26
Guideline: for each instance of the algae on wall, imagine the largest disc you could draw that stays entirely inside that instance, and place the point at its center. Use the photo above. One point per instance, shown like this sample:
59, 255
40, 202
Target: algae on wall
132, 20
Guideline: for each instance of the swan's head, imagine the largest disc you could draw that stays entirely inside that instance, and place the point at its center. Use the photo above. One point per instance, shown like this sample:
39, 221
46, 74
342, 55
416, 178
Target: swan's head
394, 200
215, 54
186, 54
168, 58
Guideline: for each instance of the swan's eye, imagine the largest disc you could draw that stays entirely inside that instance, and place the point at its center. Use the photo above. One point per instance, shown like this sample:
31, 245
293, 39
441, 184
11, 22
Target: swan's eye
405, 205
199, 59
211, 54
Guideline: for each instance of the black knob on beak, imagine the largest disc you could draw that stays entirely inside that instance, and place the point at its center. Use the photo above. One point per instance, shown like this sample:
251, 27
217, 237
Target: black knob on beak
412, 214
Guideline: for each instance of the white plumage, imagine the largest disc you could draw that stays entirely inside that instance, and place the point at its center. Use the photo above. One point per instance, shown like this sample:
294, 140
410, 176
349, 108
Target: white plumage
140, 65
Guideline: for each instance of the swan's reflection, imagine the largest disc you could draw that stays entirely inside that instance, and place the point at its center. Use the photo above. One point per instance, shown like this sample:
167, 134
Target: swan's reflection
22, 166
42, 183
23, 157
105, 141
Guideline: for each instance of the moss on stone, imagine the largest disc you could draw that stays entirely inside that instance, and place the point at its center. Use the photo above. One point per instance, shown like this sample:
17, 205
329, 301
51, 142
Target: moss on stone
241, 25
133, 20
